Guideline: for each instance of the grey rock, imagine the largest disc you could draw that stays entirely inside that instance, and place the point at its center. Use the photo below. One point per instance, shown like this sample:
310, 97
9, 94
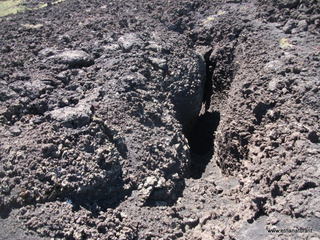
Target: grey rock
63, 76
301, 27
153, 46
73, 116
150, 181
7, 93
192, 221
315, 17
291, 24
48, 52
20, 76
273, 84
274, 66
74, 58
158, 62
111, 47
288, 3
15, 131
130, 40
133, 81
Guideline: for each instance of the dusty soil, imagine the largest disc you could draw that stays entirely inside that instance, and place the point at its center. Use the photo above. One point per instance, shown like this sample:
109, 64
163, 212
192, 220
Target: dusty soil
160, 120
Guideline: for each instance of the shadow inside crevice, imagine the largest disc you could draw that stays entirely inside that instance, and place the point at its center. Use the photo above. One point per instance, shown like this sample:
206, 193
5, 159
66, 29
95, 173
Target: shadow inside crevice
201, 142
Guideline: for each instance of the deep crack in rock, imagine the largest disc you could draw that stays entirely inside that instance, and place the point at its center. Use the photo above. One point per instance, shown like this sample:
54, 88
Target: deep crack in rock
201, 142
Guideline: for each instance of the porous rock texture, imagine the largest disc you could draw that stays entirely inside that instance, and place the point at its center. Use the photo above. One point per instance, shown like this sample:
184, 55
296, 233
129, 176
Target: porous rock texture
160, 120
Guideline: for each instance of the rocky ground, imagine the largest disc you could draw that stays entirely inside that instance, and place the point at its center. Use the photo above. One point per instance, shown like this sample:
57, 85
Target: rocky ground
191, 120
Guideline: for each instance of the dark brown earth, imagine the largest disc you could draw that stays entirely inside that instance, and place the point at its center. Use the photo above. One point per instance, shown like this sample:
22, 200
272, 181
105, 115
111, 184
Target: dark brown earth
192, 120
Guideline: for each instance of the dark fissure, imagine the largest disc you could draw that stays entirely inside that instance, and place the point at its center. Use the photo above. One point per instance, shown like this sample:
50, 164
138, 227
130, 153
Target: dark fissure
201, 142
201, 136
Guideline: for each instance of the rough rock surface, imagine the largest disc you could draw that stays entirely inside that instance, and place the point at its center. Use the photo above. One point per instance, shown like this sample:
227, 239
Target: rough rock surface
167, 120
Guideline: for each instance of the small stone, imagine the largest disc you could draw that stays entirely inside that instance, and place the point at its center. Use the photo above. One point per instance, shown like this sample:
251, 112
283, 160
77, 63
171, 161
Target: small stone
205, 218
63, 76
74, 58
192, 222
301, 27
218, 189
111, 47
47, 52
161, 182
32, 26
133, 80
273, 220
160, 63
154, 47
150, 181
20, 76
288, 3
73, 116
291, 24
274, 66
203, 235
314, 17
296, 69
236, 217
38, 120
65, 38
130, 40
15, 131
272, 85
